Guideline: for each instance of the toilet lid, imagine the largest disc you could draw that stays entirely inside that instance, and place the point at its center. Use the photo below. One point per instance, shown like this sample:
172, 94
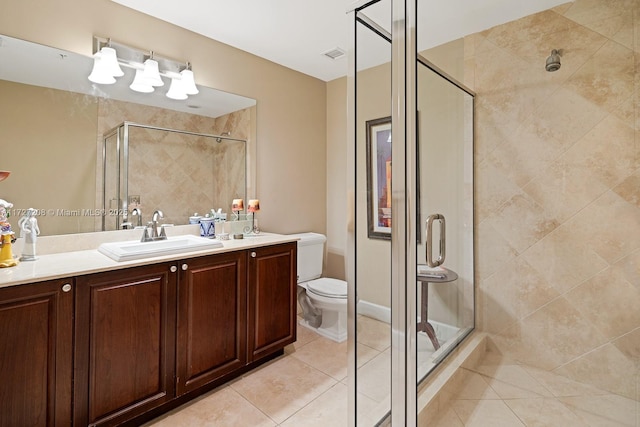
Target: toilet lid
326, 287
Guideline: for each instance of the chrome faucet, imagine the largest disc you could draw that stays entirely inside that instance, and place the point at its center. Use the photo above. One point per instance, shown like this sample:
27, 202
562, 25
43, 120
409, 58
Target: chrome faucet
153, 224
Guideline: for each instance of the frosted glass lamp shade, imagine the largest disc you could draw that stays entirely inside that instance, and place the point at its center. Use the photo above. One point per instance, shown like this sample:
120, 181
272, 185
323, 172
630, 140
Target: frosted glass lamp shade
105, 67
108, 55
151, 73
176, 90
140, 84
188, 82
100, 72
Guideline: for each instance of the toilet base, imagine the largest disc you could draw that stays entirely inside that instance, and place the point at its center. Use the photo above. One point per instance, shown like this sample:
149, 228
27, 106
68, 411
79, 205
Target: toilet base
334, 326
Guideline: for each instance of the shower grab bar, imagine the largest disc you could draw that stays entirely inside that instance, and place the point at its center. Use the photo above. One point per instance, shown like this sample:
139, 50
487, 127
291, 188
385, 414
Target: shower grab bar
429, 243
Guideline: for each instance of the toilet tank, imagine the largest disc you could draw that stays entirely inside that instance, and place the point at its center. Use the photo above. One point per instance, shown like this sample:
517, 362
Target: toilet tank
310, 255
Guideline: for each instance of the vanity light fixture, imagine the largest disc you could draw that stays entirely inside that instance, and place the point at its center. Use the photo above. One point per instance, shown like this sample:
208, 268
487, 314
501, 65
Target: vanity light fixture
140, 84
148, 77
150, 69
188, 81
176, 90
105, 66
182, 84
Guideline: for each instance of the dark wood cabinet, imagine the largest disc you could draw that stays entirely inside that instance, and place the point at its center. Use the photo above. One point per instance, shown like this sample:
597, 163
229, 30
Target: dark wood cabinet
272, 280
125, 343
212, 319
123, 346
36, 354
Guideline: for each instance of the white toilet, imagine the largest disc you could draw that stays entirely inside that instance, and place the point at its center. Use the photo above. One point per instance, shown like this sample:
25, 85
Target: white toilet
323, 300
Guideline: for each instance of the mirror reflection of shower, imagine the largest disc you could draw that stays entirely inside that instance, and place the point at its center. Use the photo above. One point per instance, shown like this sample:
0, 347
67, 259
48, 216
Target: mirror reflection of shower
144, 166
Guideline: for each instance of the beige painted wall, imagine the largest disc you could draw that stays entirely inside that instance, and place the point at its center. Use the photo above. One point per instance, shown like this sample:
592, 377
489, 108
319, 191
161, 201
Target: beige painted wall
291, 108
336, 178
373, 255
57, 175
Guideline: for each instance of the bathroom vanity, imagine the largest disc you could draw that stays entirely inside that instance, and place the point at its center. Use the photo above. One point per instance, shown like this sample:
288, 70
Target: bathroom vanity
90, 341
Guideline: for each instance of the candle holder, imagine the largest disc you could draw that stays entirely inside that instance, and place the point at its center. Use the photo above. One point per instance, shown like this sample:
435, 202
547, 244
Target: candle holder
236, 206
253, 207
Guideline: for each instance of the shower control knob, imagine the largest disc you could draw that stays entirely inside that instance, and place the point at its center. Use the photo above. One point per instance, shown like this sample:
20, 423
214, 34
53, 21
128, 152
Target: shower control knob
173, 269
185, 267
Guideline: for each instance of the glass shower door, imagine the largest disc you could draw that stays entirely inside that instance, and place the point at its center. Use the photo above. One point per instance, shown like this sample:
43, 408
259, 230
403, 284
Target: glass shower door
445, 216
405, 312
373, 214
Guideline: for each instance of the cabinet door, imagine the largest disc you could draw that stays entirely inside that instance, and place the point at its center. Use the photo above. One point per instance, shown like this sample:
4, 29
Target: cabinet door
125, 343
36, 354
272, 299
212, 313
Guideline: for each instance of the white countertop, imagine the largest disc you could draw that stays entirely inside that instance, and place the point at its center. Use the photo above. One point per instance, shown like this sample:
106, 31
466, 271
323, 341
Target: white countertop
76, 263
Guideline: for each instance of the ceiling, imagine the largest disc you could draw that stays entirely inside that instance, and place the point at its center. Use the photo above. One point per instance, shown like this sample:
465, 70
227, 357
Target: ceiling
297, 33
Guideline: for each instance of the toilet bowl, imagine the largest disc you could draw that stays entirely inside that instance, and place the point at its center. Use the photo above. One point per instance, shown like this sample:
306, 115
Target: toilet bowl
323, 300
324, 307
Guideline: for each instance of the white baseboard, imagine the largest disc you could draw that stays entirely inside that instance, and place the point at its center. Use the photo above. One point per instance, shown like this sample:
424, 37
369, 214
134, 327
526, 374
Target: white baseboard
375, 311
383, 314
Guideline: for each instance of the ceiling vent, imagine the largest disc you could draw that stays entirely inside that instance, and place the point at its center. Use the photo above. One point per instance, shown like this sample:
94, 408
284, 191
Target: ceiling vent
335, 53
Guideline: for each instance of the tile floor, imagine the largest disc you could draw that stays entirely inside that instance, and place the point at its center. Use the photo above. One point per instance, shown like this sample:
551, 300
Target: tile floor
307, 387
499, 392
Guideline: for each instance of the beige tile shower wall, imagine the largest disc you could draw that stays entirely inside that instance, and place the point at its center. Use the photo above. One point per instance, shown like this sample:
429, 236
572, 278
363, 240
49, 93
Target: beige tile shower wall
558, 190
209, 174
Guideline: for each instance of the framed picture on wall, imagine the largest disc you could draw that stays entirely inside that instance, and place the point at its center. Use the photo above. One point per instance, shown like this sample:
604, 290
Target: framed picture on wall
378, 134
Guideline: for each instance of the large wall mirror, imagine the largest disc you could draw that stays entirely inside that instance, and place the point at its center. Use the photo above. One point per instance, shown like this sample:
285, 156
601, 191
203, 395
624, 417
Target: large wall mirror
52, 126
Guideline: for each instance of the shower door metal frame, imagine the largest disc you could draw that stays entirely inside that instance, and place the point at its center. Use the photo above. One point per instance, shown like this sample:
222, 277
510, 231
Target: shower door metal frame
404, 202
404, 197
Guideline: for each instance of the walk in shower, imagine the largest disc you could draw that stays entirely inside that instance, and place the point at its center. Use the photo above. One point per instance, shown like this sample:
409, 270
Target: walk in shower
411, 272
148, 168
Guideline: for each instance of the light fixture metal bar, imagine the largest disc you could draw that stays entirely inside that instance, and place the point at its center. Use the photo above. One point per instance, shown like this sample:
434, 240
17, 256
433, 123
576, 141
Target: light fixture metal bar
132, 57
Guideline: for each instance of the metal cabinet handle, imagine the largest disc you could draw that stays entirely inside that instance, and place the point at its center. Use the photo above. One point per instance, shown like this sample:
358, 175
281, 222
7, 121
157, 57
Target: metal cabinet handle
185, 267
173, 269
253, 255
66, 287
429, 243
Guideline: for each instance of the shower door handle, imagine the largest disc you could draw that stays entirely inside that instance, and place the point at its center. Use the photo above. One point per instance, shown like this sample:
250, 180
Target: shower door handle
429, 242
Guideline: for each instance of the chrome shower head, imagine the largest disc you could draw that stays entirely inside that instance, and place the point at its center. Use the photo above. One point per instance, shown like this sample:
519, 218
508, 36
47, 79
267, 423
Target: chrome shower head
553, 61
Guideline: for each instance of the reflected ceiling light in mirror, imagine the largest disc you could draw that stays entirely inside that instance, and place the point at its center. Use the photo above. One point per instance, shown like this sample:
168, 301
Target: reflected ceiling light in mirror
149, 69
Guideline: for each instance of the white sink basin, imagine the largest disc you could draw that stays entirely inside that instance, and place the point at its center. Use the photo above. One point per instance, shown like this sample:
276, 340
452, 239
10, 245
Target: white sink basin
135, 249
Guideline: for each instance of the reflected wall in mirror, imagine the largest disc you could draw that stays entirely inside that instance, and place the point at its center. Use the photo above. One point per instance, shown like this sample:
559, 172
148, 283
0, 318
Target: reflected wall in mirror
52, 121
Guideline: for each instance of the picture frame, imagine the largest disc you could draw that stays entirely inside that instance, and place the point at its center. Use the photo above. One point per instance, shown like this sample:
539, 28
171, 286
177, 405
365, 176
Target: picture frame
378, 145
